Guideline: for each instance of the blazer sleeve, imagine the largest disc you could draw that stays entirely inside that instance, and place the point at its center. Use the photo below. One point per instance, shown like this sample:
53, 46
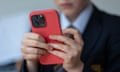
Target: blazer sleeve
41, 68
23, 67
113, 58
87, 69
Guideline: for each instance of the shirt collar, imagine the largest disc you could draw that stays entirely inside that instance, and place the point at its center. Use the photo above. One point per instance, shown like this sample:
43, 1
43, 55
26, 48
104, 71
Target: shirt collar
81, 22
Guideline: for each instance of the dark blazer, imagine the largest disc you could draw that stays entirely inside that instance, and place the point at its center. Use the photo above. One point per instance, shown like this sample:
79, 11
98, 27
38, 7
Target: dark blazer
101, 52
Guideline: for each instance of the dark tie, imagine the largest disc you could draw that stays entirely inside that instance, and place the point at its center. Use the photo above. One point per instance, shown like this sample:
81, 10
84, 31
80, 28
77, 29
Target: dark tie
70, 35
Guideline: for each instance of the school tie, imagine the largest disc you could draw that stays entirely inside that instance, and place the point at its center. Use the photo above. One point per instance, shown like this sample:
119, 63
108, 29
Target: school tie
70, 35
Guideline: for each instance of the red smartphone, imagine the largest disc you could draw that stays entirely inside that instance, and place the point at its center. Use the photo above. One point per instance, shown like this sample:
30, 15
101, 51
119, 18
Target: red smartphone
45, 23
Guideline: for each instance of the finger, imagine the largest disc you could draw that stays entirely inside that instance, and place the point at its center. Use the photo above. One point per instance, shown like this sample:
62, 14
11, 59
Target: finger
75, 33
30, 56
60, 47
69, 35
34, 51
58, 54
34, 43
64, 39
34, 36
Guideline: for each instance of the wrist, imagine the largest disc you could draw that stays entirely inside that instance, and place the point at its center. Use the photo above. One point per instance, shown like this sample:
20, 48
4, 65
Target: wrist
32, 66
78, 68
31, 62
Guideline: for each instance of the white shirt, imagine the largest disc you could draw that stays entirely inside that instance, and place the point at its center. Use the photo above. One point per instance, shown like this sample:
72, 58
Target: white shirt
81, 22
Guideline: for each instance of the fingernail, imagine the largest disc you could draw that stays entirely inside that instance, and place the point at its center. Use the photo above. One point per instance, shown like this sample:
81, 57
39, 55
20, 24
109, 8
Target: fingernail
50, 36
50, 48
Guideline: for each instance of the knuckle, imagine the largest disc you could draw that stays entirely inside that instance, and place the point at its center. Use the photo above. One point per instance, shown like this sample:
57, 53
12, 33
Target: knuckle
24, 42
34, 36
24, 56
35, 57
31, 57
26, 35
76, 31
36, 43
69, 57
36, 51
41, 39
28, 57
37, 36
75, 53
67, 39
59, 37
40, 51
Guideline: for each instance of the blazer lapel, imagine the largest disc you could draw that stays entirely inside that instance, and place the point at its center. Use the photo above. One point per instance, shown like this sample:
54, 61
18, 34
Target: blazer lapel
91, 34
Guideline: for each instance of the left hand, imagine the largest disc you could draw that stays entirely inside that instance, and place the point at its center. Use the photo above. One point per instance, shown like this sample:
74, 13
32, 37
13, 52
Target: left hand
70, 51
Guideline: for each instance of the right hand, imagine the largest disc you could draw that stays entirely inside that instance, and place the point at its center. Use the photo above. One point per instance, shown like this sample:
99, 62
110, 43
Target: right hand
33, 46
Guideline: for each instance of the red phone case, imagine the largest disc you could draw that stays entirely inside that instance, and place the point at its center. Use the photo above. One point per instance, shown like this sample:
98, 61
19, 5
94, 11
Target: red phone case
52, 27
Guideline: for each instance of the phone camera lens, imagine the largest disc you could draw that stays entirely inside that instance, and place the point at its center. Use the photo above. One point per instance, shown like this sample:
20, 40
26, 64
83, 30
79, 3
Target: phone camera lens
38, 21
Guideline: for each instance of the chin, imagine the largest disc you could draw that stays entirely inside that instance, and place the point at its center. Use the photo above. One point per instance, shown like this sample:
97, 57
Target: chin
68, 12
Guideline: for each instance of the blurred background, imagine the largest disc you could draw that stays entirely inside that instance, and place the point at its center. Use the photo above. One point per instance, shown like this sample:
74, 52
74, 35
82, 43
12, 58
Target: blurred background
9, 7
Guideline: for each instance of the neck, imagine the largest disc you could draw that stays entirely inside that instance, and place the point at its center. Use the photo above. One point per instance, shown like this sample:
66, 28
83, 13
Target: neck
74, 16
